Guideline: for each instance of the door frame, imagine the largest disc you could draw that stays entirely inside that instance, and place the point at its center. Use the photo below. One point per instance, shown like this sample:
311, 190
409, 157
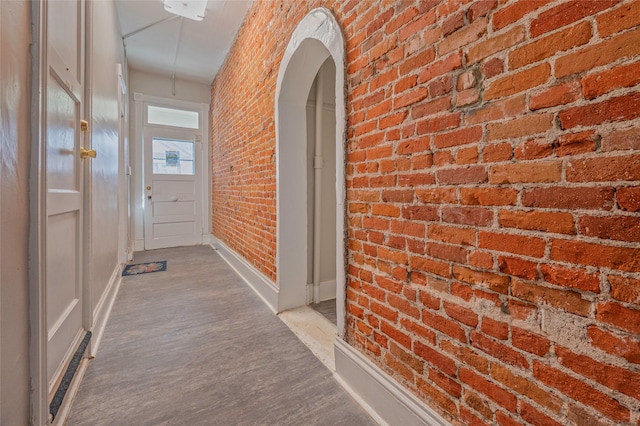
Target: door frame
137, 161
39, 397
152, 132
317, 37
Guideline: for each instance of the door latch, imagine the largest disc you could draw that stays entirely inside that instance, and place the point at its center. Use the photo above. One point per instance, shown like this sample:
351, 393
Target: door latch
84, 153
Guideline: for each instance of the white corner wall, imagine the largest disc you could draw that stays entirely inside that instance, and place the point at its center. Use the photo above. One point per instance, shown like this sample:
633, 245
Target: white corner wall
15, 142
106, 53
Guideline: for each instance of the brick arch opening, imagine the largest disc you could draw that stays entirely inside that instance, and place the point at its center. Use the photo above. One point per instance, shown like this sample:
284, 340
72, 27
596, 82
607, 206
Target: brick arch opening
316, 38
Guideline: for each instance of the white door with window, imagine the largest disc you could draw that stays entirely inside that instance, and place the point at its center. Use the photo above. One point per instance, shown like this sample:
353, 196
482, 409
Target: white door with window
173, 187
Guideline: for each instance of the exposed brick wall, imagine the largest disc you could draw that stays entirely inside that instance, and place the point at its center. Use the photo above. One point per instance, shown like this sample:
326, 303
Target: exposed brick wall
493, 176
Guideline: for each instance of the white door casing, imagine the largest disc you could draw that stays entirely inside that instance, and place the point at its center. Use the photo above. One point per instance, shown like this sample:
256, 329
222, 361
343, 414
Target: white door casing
316, 38
64, 176
173, 202
138, 192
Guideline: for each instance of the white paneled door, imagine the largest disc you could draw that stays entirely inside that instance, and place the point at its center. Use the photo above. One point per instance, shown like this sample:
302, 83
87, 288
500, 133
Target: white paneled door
64, 183
173, 188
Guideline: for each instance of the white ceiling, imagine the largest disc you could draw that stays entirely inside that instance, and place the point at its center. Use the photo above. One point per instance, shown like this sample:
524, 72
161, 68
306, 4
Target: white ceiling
201, 45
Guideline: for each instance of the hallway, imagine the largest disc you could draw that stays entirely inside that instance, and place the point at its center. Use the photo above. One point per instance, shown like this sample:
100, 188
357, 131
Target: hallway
194, 345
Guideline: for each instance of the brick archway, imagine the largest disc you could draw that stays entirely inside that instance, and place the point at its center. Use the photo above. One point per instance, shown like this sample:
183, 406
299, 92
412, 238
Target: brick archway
316, 38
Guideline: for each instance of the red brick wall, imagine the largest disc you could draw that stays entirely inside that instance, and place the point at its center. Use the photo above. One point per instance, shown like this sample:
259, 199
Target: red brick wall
493, 184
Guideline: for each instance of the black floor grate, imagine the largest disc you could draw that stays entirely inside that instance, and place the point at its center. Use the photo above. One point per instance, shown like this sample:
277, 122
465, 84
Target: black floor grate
68, 376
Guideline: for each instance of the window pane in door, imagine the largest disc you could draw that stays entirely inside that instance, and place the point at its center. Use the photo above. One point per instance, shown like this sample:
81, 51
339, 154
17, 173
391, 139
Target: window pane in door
173, 117
173, 157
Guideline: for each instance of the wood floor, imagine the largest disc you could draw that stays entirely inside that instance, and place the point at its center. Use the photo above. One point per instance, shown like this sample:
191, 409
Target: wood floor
327, 309
195, 346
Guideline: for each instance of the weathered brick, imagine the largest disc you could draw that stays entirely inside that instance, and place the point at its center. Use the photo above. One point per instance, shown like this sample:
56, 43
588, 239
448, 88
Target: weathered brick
595, 55
568, 301
530, 342
557, 222
461, 314
492, 391
512, 243
619, 19
440, 67
493, 328
559, 94
497, 152
496, 44
629, 199
623, 228
604, 169
580, 391
440, 398
534, 149
625, 347
567, 13
542, 172
622, 140
622, 317
619, 379
615, 109
448, 327
466, 355
461, 176
435, 358
525, 387
515, 11
467, 215
518, 267
488, 196
492, 111
458, 137
575, 143
548, 46
515, 83
452, 235
529, 413
579, 279
463, 37
525, 126
593, 198
494, 282
598, 84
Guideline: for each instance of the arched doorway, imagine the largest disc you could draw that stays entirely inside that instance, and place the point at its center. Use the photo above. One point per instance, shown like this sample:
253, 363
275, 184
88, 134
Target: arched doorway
317, 40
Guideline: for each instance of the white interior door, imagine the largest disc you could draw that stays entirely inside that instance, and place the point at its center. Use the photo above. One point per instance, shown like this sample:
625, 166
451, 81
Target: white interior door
64, 183
173, 189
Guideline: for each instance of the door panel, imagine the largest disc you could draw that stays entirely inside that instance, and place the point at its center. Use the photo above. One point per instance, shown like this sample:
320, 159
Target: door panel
64, 172
172, 188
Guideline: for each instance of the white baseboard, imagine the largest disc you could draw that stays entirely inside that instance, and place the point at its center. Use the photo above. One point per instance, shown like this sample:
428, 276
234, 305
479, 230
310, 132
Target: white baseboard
263, 287
138, 245
208, 240
381, 396
103, 309
327, 290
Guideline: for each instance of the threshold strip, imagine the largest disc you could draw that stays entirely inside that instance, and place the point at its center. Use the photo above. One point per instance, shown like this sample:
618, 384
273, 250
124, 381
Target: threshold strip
68, 376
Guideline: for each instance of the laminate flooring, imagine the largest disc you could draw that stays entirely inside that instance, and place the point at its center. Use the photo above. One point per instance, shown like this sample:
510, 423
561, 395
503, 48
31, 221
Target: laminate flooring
195, 346
327, 309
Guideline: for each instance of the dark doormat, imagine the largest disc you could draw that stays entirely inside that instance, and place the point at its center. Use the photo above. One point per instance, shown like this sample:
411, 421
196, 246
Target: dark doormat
145, 268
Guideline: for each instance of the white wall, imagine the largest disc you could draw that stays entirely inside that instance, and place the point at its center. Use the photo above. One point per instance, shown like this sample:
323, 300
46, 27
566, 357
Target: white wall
15, 26
328, 197
162, 86
107, 51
